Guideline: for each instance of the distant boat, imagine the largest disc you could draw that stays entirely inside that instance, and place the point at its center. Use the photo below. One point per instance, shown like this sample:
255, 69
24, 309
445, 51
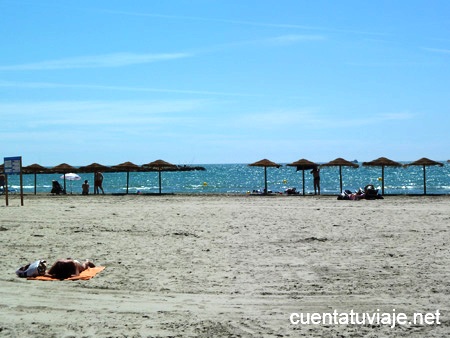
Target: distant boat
355, 161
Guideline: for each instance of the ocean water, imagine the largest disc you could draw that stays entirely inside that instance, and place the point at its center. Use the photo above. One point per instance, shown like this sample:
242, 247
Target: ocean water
241, 179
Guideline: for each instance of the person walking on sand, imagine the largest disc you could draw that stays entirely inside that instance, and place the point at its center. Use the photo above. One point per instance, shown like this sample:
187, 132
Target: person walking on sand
98, 183
316, 174
85, 188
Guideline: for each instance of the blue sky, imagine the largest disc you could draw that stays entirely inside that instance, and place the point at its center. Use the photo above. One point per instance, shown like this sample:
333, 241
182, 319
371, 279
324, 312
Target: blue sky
203, 81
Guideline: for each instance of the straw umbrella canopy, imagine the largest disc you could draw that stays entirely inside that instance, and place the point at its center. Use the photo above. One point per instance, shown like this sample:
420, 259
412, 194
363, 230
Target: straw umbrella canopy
265, 163
35, 169
425, 162
93, 167
303, 165
340, 162
64, 168
382, 162
159, 165
126, 167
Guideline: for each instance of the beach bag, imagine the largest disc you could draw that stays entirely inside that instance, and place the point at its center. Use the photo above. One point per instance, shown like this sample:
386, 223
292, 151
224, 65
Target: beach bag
37, 268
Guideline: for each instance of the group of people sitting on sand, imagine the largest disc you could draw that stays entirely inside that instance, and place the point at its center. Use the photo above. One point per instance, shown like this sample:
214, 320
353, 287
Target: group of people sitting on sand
369, 193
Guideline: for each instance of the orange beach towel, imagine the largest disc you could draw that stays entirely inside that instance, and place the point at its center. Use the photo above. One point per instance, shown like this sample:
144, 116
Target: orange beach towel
84, 275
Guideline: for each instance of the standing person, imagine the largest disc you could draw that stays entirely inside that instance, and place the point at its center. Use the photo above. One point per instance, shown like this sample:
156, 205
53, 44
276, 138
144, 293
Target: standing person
85, 188
98, 183
316, 174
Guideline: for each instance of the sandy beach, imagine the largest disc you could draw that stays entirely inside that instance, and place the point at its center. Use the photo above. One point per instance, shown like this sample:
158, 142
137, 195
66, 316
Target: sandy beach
225, 266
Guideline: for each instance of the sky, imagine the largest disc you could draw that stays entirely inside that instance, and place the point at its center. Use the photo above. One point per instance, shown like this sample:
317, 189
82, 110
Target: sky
224, 81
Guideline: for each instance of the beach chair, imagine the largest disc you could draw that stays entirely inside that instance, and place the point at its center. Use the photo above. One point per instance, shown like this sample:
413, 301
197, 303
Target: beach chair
56, 188
370, 193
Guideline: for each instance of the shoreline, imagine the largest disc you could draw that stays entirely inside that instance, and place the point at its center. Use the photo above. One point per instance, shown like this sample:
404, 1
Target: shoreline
46, 194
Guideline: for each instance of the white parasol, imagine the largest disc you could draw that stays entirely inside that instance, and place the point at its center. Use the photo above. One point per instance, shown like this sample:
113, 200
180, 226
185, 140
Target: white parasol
71, 177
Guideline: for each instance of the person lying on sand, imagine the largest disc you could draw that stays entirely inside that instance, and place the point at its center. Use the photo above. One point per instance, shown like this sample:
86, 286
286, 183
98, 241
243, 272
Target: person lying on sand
65, 268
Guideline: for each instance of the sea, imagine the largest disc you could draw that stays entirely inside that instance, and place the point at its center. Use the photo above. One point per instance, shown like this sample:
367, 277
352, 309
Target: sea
243, 179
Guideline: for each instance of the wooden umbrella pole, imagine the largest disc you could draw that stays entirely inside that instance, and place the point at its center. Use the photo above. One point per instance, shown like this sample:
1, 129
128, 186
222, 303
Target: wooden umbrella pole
265, 180
424, 180
159, 172
6, 190
303, 176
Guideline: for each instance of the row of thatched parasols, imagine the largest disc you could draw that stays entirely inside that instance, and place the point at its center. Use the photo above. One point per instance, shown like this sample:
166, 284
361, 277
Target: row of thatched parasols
64, 168
382, 162
160, 165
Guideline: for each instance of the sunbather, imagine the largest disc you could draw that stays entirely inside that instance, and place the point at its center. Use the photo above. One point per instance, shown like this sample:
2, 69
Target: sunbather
65, 268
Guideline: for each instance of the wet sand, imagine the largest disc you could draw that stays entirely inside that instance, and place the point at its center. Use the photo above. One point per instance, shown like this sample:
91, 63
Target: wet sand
225, 266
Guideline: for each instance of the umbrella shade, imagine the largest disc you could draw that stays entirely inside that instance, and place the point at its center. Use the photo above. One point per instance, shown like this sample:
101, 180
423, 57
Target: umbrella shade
34, 169
382, 162
63, 168
126, 167
159, 165
70, 177
425, 162
265, 163
340, 162
93, 167
303, 165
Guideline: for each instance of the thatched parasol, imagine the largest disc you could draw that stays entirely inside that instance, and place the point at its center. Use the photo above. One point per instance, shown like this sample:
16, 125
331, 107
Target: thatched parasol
93, 168
340, 162
35, 169
303, 165
382, 162
63, 168
265, 163
424, 162
160, 166
126, 167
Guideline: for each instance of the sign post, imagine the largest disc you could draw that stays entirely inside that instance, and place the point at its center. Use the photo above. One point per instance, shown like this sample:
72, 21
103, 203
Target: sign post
13, 166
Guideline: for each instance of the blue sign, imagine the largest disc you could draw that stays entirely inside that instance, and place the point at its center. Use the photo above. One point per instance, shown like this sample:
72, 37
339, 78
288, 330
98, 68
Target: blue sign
12, 165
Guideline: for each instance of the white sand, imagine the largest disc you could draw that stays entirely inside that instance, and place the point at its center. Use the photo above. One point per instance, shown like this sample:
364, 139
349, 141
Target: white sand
224, 266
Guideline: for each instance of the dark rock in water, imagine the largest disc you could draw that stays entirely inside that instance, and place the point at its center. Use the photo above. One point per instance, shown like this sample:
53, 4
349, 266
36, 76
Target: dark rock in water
178, 168
188, 168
